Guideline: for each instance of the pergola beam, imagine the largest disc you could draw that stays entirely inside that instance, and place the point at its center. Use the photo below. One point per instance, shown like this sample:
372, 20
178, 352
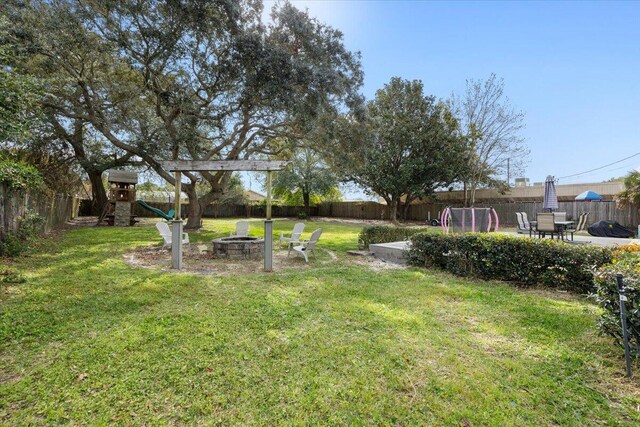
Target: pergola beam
223, 165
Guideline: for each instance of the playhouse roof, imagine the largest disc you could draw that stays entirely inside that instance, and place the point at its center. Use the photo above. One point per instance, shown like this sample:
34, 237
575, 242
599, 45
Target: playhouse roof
126, 177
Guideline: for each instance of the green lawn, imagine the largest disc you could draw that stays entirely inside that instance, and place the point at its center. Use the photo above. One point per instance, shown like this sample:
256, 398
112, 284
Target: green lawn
89, 340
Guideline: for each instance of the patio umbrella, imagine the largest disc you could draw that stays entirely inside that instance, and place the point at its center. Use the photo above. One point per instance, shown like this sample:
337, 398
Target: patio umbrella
550, 196
589, 196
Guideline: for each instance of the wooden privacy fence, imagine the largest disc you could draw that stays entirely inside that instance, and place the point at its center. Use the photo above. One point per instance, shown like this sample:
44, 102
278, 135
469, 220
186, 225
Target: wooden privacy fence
228, 211
598, 211
56, 209
359, 210
603, 210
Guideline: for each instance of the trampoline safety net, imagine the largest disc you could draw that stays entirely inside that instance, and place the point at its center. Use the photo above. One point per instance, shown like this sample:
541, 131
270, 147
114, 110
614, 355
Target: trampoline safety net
462, 220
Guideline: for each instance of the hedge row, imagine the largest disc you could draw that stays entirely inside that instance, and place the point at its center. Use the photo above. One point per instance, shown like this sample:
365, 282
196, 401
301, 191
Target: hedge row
626, 261
511, 259
385, 234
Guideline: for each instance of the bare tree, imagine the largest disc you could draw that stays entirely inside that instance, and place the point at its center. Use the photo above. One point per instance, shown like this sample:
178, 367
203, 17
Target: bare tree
492, 127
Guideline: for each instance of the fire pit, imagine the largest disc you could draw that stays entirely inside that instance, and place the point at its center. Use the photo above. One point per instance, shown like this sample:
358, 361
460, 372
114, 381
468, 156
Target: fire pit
237, 247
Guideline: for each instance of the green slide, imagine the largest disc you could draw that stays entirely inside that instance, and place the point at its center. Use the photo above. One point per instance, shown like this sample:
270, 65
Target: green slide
168, 216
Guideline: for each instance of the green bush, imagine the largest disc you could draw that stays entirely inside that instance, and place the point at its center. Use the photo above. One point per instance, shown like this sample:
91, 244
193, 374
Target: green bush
16, 243
606, 295
385, 234
30, 225
511, 259
19, 176
11, 246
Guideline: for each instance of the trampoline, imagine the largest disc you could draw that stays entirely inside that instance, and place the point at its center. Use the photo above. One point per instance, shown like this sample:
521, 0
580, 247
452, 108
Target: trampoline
464, 220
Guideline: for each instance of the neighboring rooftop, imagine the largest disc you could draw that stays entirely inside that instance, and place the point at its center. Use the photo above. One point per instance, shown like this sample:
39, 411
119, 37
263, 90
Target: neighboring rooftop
254, 196
566, 192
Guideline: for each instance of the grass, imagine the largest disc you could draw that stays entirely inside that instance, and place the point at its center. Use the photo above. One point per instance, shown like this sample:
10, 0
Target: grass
89, 340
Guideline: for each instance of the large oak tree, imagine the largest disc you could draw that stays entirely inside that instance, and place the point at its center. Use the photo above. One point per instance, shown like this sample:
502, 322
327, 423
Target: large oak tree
189, 79
407, 145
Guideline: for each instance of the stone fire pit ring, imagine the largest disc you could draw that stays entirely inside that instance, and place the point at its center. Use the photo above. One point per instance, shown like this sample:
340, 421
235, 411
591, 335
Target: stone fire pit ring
239, 247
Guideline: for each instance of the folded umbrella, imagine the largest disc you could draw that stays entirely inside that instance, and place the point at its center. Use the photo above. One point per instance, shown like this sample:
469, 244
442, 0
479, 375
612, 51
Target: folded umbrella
550, 197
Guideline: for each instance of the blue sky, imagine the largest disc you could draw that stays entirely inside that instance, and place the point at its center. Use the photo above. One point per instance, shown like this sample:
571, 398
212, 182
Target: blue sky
572, 68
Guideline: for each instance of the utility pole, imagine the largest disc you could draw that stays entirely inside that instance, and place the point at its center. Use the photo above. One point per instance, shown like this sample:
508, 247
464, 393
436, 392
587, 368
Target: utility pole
508, 172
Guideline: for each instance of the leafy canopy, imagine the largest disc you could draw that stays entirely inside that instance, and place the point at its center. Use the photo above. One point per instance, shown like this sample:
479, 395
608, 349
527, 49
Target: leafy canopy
631, 193
408, 144
19, 176
189, 80
18, 93
307, 180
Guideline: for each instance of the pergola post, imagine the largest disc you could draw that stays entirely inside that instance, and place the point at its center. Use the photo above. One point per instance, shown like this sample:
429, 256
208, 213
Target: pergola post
176, 232
268, 230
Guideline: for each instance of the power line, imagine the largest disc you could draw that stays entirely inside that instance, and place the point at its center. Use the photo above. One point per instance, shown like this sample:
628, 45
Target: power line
601, 167
626, 166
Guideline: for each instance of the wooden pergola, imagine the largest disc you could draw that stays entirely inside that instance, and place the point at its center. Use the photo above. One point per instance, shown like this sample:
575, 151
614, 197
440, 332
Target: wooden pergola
179, 166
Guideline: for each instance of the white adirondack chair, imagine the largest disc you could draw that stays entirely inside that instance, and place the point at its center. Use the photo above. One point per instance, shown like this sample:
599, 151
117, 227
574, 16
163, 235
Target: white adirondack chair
295, 235
165, 232
307, 245
242, 229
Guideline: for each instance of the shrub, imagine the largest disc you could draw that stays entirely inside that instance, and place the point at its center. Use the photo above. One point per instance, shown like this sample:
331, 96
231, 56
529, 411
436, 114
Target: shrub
626, 261
12, 246
511, 259
30, 225
385, 234
16, 243
302, 215
630, 248
19, 176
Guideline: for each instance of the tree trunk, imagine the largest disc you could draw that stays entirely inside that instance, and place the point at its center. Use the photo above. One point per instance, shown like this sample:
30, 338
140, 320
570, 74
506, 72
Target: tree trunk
306, 197
98, 193
405, 209
466, 194
194, 209
198, 205
393, 213
194, 215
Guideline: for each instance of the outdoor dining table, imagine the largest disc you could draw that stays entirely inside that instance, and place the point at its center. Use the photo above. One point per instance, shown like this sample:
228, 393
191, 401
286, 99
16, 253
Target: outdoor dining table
560, 227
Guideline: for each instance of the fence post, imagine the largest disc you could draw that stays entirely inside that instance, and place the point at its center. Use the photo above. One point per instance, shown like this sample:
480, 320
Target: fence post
623, 322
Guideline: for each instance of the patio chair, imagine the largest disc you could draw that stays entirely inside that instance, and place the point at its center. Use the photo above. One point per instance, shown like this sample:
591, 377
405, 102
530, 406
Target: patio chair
580, 226
165, 232
529, 225
242, 229
308, 245
545, 223
560, 216
298, 228
522, 225
525, 219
